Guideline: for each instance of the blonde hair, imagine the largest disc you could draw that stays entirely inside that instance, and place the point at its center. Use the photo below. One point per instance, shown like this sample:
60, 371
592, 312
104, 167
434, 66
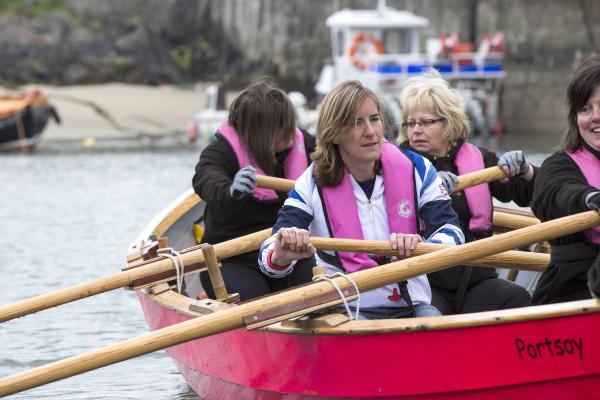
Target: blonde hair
432, 93
337, 116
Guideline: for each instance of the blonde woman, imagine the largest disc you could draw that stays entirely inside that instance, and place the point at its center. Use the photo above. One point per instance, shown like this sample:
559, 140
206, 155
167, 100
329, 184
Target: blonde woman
436, 127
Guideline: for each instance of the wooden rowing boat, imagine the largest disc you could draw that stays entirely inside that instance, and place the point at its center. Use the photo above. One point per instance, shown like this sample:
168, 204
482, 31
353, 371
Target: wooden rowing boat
546, 352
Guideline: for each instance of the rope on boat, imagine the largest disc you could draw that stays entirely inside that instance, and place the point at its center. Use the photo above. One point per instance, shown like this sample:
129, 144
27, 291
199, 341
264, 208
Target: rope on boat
329, 278
177, 261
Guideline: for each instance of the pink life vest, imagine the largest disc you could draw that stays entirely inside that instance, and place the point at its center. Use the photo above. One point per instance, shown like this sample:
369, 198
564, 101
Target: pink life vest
590, 167
479, 199
342, 211
293, 166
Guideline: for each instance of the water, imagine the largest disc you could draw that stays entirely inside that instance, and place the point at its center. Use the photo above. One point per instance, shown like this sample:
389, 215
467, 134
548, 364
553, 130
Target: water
67, 216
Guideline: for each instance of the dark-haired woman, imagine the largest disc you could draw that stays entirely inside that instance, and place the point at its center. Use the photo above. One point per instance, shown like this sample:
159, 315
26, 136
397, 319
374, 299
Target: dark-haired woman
569, 183
259, 137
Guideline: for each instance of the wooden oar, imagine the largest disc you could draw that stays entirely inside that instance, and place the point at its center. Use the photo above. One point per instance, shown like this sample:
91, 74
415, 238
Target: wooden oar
294, 299
160, 270
192, 259
478, 177
503, 217
513, 219
512, 259
464, 181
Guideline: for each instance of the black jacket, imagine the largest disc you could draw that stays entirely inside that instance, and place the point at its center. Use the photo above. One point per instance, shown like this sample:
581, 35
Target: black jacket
516, 189
227, 218
560, 190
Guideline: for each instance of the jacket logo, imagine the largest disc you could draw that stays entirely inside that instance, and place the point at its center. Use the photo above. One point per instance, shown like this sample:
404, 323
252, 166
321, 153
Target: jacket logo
404, 209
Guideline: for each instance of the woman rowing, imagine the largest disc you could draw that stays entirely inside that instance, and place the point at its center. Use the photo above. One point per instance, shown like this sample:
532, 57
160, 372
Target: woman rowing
568, 183
259, 137
360, 186
436, 127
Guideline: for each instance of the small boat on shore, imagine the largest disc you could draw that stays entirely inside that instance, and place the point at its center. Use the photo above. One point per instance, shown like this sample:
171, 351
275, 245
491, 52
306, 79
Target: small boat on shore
548, 352
22, 120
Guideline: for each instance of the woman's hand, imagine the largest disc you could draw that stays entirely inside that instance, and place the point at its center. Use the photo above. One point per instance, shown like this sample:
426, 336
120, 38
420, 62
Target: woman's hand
513, 163
449, 180
244, 182
404, 243
291, 244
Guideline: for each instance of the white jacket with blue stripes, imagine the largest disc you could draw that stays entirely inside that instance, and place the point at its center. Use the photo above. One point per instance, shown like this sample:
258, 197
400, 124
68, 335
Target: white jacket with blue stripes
439, 224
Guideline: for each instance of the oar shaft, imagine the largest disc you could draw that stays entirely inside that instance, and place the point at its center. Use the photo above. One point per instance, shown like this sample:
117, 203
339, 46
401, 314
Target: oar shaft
513, 221
454, 255
512, 259
125, 278
233, 318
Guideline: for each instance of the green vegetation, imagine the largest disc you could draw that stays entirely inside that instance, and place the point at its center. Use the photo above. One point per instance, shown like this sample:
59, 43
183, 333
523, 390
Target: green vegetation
182, 56
118, 62
32, 8
204, 47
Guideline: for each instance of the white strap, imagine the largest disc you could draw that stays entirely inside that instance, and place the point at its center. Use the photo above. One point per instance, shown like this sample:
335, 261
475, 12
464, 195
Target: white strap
329, 278
177, 261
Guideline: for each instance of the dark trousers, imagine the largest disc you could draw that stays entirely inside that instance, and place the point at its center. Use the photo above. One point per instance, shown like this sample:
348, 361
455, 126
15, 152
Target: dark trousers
486, 295
250, 282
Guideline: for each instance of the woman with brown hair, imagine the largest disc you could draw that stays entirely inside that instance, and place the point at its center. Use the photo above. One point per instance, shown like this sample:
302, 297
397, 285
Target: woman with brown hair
361, 186
568, 183
259, 137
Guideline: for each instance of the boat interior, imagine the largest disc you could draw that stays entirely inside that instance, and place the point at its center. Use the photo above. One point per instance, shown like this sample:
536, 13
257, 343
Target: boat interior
176, 223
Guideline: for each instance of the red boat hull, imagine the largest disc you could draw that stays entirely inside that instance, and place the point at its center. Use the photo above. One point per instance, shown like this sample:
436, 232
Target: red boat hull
554, 358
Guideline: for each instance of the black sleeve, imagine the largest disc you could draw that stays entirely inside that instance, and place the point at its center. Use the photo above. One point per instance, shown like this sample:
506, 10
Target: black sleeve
594, 277
516, 189
215, 171
560, 188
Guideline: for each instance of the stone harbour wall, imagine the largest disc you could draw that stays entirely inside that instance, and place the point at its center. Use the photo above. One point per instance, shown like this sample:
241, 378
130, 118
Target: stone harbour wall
235, 41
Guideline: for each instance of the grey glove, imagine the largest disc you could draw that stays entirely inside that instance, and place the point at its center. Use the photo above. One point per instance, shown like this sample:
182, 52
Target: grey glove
244, 181
449, 180
515, 160
592, 200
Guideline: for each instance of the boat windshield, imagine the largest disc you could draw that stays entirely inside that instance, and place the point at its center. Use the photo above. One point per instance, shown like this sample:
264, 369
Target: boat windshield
396, 41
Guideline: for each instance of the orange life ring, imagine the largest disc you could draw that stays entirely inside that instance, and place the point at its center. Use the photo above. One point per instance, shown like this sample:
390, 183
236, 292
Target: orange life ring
358, 42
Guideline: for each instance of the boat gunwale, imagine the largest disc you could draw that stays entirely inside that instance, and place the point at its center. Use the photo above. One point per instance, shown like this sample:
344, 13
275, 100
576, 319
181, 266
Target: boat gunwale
174, 301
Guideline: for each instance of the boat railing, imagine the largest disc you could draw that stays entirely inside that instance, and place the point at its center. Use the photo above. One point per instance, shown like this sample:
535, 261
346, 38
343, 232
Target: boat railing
455, 66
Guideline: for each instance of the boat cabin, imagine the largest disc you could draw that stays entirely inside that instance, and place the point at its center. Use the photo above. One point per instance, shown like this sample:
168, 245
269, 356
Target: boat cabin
382, 48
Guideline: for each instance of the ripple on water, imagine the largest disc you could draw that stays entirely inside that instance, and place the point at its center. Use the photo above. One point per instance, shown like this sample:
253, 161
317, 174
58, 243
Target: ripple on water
68, 218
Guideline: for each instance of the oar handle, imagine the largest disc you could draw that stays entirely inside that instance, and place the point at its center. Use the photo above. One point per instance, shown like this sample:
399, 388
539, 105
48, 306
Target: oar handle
478, 177
279, 184
464, 181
